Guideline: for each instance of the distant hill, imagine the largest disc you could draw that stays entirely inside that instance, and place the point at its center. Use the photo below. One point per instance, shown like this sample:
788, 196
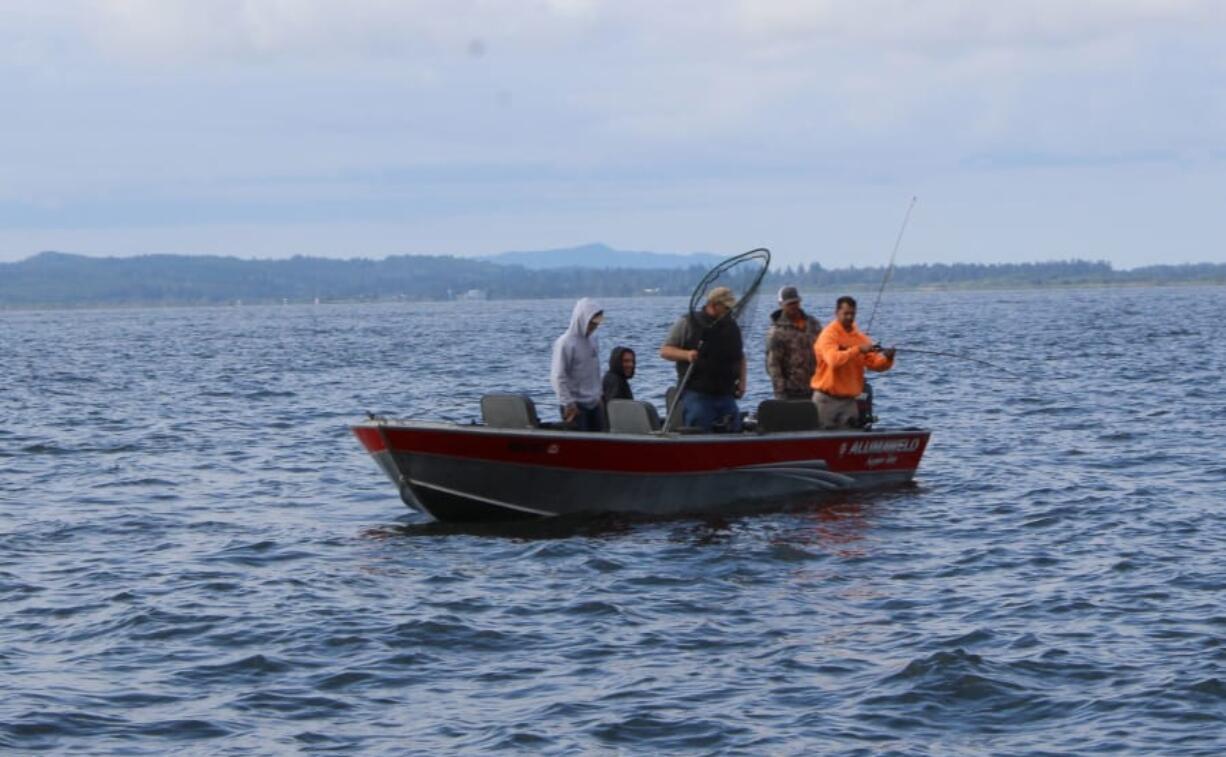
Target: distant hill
602, 256
61, 279
54, 279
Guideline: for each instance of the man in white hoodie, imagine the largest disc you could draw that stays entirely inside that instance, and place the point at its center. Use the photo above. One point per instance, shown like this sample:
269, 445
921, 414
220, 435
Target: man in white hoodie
575, 371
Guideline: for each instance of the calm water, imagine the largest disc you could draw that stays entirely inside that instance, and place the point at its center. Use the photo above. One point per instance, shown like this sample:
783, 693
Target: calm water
196, 556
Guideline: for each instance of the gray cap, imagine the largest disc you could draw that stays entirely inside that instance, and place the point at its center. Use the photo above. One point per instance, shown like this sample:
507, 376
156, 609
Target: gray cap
788, 294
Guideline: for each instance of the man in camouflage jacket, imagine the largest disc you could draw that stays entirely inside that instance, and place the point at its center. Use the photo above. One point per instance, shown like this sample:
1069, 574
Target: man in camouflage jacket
790, 360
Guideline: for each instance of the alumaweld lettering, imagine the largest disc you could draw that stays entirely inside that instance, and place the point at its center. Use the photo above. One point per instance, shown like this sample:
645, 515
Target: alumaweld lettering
880, 446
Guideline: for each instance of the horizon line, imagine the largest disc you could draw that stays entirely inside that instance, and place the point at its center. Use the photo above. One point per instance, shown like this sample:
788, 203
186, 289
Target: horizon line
488, 259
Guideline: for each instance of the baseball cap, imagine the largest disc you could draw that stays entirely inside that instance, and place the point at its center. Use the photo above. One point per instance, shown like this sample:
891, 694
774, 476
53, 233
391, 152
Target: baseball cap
788, 294
722, 296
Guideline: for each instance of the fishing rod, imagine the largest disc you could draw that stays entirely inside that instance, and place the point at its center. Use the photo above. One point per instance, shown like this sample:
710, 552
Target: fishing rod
886, 279
939, 353
890, 268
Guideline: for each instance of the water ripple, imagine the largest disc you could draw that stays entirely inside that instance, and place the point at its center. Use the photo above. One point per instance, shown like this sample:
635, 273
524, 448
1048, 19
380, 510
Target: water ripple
195, 556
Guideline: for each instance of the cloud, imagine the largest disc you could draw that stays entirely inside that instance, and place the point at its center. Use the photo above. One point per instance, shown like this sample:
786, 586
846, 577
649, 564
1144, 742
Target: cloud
820, 76
939, 27
308, 31
299, 107
311, 30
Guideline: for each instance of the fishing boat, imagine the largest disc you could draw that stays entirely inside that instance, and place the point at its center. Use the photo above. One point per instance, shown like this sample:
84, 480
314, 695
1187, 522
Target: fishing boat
512, 466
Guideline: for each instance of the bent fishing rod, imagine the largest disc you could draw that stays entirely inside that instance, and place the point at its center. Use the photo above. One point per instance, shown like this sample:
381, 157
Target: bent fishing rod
890, 268
881, 290
939, 353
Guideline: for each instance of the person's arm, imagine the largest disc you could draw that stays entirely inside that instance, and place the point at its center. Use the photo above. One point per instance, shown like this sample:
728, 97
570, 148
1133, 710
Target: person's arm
559, 376
677, 354
831, 353
740, 389
880, 361
774, 365
674, 349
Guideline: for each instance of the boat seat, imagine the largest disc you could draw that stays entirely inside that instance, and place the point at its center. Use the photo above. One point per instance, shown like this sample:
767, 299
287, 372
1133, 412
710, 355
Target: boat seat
509, 411
787, 415
632, 417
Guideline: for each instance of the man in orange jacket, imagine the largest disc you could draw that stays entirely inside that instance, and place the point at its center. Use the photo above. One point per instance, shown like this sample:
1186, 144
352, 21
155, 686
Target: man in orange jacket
843, 352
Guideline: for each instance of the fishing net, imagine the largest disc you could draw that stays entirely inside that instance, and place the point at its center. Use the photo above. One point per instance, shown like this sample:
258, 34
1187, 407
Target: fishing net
743, 274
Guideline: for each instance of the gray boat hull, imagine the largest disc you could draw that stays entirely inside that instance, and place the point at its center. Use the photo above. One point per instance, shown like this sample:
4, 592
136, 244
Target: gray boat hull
471, 473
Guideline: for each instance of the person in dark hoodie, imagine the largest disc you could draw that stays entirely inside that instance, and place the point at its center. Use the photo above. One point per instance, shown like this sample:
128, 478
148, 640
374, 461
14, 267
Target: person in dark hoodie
617, 379
790, 361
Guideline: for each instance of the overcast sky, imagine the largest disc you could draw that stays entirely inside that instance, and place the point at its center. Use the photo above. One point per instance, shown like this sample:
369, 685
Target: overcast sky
1029, 129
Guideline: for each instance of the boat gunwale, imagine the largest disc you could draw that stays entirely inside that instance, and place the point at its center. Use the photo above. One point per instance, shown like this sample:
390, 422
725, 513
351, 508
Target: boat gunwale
655, 437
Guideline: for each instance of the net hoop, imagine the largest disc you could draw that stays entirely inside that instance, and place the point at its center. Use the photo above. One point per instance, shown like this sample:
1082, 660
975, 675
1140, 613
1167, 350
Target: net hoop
720, 276
715, 275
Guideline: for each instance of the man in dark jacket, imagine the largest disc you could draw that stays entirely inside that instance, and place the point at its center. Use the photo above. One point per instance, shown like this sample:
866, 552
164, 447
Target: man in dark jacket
790, 360
616, 383
710, 340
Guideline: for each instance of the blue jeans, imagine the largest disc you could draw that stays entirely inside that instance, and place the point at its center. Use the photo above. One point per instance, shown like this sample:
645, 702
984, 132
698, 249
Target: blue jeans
588, 419
699, 410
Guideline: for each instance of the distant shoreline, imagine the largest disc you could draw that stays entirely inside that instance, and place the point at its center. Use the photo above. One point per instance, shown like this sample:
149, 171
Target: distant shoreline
807, 290
55, 281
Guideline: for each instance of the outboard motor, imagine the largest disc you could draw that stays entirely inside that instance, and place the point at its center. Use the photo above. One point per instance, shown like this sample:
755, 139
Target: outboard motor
865, 404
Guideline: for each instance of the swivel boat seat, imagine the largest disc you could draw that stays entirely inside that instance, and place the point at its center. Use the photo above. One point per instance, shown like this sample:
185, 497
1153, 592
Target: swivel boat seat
632, 417
509, 411
776, 416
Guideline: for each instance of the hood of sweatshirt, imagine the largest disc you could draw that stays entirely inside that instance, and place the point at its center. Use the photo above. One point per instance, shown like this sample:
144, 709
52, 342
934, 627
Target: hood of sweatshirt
615, 361
581, 316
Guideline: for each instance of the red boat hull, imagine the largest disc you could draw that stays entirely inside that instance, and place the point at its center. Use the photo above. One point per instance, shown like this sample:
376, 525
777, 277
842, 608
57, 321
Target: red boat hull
454, 472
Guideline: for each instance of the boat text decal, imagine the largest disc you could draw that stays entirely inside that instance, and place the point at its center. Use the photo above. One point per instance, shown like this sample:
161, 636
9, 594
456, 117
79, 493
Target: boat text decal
878, 447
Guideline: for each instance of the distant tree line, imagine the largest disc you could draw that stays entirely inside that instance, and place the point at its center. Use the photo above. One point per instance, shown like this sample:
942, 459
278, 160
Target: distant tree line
1062, 272
58, 279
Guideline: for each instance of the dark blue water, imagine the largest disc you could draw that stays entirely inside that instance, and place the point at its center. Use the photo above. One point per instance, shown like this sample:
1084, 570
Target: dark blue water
197, 557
